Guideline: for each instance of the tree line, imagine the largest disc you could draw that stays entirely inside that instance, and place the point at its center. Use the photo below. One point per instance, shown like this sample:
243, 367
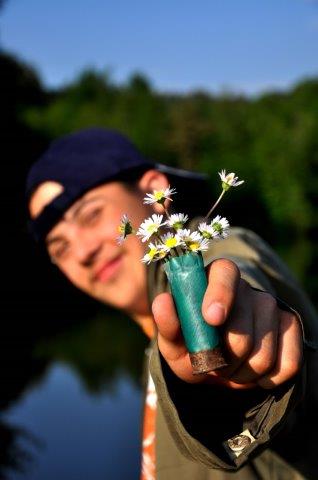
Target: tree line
271, 141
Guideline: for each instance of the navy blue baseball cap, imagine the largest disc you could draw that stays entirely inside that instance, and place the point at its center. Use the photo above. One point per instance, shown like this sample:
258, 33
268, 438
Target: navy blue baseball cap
81, 161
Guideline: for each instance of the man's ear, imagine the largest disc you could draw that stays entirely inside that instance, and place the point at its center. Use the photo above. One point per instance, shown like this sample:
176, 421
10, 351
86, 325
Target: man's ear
154, 180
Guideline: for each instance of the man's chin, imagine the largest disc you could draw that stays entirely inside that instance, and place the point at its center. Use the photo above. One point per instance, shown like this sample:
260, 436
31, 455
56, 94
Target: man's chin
124, 302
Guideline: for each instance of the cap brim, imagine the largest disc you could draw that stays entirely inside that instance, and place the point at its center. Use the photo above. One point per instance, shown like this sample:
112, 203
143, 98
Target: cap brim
186, 174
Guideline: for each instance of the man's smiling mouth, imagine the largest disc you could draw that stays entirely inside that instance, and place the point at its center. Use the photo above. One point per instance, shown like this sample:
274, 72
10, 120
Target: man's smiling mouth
108, 269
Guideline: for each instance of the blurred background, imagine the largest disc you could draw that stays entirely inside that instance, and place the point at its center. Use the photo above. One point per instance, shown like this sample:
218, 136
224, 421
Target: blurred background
202, 86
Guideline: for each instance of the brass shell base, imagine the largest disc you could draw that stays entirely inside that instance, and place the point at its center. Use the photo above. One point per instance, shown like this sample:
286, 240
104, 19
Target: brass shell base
207, 360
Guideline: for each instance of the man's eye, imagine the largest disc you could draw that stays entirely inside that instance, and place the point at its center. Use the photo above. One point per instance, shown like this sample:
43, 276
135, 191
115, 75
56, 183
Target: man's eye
59, 252
91, 216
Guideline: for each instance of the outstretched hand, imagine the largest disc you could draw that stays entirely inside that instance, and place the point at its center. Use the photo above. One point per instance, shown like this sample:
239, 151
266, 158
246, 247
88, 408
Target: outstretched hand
263, 343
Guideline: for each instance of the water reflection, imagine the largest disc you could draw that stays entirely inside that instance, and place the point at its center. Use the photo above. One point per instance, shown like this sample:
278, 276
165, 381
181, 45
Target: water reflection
80, 435
72, 401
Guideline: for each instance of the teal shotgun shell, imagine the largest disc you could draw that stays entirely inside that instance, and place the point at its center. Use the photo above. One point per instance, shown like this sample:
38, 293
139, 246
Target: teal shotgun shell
188, 283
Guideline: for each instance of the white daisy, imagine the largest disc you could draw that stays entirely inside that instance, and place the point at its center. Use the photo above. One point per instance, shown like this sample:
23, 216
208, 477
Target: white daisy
206, 230
150, 226
154, 254
221, 226
193, 241
229, 180
199, 245
125, 228
169, 241
177, 220
185, 233
159, 196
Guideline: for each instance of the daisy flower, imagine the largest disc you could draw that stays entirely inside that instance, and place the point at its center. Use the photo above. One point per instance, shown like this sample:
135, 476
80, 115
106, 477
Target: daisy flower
177, 220
159, 196
183, 233
169, 241
150, 226
206, 230
193, 241
229, 180
200, 245
155, 253
125, 228
220, 225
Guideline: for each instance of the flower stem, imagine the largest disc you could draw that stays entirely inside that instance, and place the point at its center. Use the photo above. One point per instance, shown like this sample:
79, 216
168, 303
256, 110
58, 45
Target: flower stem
214, 206
158, 237
166, 212
179, 251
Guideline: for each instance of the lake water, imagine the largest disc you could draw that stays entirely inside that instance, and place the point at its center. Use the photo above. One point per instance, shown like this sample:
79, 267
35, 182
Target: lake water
78, 435
74, 405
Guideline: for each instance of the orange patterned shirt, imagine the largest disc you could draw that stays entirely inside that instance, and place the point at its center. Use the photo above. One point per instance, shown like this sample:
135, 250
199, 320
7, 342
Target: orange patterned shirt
148, 458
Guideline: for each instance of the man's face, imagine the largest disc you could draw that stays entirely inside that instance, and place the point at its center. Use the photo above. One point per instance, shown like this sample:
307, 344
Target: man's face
84, 245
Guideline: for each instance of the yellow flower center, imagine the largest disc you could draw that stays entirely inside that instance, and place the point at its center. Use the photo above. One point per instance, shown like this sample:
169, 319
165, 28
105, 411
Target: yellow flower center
217, 227
171, 242
152, 252
158, 195
194, 246
152, 228
177, 225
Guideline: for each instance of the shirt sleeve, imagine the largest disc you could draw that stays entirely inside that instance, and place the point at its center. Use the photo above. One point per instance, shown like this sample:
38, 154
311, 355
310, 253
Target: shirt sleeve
221, 427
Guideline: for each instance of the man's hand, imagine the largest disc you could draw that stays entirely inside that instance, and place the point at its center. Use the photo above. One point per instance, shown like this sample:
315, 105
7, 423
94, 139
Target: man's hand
263, 343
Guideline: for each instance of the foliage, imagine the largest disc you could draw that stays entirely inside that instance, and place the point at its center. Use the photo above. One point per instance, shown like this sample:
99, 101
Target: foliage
270, 141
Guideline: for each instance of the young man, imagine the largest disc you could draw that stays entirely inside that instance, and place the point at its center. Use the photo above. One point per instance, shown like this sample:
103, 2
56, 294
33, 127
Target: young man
213, 425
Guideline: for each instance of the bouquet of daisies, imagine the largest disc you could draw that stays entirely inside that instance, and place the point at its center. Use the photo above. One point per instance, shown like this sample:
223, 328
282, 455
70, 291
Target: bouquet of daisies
181, 252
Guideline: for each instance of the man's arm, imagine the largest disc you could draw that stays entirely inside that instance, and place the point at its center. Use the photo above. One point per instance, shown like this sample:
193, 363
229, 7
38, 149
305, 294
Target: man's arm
264, 382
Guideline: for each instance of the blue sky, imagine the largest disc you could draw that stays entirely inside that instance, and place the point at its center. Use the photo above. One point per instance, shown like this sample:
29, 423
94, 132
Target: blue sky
238, 45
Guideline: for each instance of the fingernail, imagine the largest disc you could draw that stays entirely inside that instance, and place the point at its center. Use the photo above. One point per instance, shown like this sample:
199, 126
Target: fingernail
216, 313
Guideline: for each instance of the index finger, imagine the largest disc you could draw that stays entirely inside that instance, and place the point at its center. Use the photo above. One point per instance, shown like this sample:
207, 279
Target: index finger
223, 280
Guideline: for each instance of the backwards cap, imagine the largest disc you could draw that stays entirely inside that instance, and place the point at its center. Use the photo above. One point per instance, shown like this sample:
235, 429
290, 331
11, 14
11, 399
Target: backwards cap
81, 161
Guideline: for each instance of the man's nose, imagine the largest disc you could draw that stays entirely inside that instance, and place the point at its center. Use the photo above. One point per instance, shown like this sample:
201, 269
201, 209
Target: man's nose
86, 248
